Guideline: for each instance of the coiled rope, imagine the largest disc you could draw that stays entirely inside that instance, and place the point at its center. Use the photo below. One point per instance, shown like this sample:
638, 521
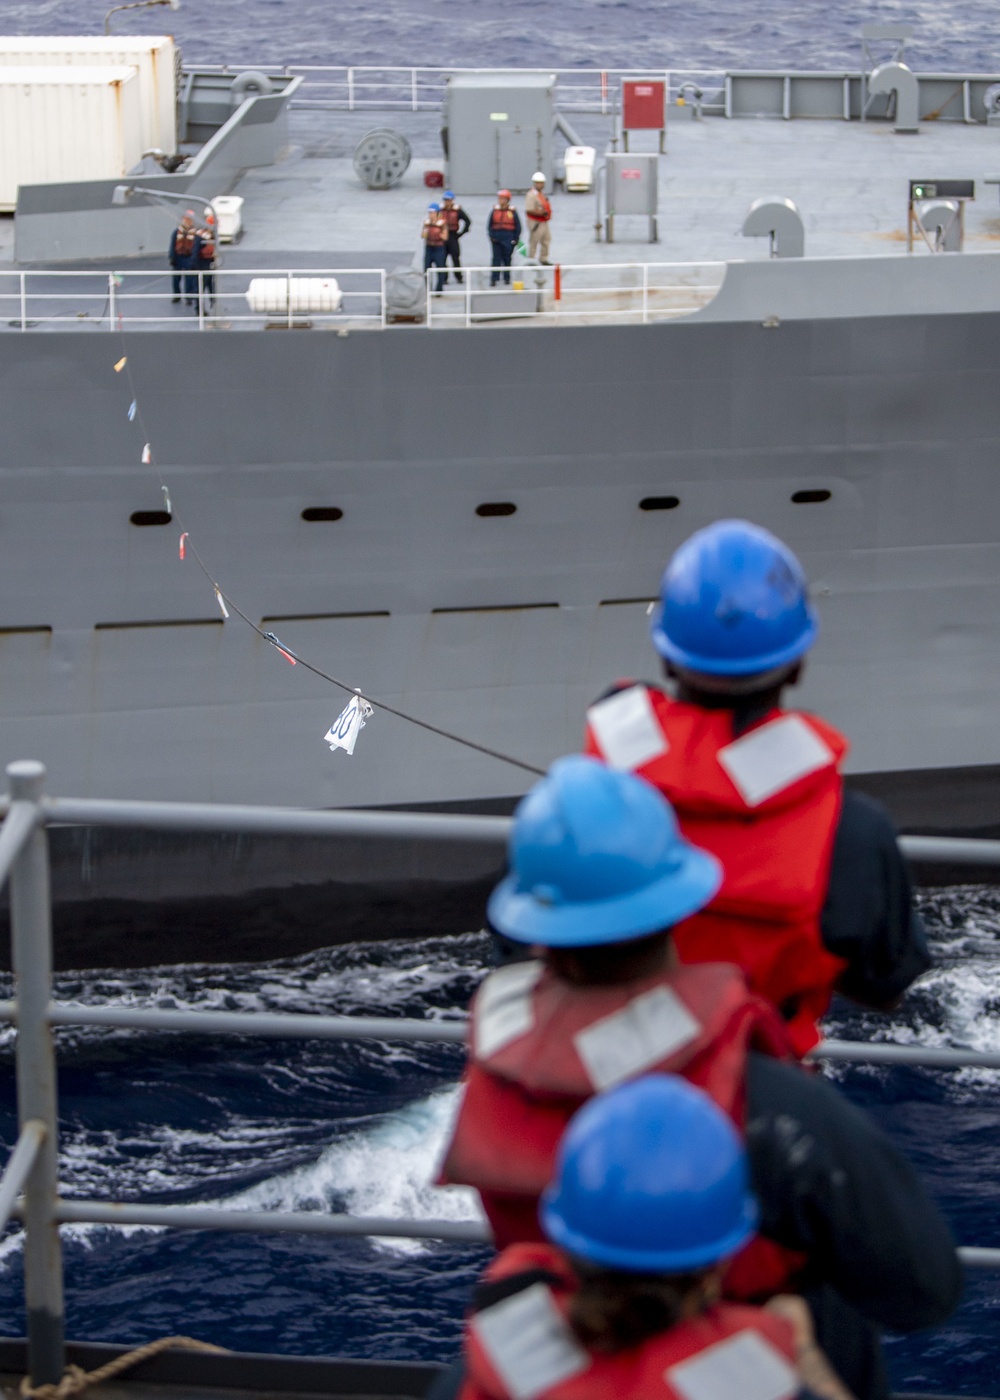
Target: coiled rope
76, 1379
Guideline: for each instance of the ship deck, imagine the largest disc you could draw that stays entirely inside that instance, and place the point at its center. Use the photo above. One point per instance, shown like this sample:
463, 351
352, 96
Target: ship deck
310, 213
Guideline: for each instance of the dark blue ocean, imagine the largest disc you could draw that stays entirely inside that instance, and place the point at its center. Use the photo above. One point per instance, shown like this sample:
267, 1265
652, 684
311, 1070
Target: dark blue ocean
524, 33
358, 1128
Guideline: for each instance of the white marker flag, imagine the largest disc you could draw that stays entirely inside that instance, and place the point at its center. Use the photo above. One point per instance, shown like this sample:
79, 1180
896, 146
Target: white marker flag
343, 732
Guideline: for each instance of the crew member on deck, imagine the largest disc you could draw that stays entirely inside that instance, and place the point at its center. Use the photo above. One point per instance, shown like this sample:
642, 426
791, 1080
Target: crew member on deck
504, 229
206, 257
600, 875
623, 1301
459, 224
816, 895
181, 249
435, 236
538, 212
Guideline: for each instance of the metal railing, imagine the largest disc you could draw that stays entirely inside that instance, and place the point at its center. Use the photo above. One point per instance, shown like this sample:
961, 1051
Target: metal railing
368, 88
33, 1165
581, 293
114, 301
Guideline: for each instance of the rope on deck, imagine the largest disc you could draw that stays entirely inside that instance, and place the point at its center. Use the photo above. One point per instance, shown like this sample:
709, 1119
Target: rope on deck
76, 1379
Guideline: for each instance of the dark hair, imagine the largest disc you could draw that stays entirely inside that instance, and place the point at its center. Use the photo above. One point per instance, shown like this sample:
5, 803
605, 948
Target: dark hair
612, 1311
604, 963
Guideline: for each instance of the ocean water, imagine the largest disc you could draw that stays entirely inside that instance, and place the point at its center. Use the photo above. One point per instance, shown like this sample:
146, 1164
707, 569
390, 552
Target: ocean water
359, 1128
524, 33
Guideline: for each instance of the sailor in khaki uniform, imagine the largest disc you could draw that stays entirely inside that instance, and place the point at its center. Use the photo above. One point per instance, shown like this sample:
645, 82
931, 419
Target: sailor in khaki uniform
538, 210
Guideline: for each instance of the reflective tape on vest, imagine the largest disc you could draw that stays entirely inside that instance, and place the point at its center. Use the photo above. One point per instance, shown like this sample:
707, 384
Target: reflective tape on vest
528, 1343
504, 1008
649, 1029
773, 757
626, 729
745, 1365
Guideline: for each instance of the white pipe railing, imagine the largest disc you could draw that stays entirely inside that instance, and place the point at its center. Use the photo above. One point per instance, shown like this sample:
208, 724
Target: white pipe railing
82, 299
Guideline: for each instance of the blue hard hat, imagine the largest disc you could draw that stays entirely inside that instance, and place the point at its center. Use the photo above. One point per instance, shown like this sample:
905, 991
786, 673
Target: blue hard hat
650, 1177
596, 857
434, 208
734, 601
448, 194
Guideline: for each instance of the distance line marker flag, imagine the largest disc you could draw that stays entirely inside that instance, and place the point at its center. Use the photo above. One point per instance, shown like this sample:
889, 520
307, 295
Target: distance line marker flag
182, 548
121, 364
343, 732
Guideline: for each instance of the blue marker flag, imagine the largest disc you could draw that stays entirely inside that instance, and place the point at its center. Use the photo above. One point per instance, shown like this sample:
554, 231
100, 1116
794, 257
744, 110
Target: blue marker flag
131, 410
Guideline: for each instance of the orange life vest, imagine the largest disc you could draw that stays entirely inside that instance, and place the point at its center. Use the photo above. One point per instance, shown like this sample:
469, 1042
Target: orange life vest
436, 232
183, 243
451, 217
767, 805
543, 215
541, 1047
523, 1346
501, 219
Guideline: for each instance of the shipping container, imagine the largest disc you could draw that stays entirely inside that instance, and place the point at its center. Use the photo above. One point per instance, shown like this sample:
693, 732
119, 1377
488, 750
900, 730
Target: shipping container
66, 123
154, 56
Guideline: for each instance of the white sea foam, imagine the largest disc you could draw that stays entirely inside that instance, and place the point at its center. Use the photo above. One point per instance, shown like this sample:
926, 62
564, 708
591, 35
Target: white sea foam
384, 1170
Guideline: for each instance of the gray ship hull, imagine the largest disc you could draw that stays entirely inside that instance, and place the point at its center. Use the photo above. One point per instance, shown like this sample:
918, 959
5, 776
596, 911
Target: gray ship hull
116, 668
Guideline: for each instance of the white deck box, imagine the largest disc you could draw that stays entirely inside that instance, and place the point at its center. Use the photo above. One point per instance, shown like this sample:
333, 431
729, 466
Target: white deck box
66, 123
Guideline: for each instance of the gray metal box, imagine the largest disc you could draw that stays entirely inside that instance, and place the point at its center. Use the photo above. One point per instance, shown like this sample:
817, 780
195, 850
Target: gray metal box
498, 130
632, 184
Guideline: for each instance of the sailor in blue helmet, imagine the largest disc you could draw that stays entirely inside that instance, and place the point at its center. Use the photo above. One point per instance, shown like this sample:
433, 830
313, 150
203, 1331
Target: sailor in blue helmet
435, 235
816, 895
459, 224
600, 877
622, 1301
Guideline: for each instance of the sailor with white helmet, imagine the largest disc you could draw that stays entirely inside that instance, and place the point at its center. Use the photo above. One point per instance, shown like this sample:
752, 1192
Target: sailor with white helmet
622, 1301
599, 875
538, 211
816, 895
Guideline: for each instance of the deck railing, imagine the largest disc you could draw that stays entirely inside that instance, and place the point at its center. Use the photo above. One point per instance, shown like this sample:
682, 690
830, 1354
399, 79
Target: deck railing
580, 293
33, 1167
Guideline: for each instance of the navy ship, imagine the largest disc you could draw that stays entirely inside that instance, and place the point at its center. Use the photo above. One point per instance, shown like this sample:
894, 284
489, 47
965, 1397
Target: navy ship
463, 513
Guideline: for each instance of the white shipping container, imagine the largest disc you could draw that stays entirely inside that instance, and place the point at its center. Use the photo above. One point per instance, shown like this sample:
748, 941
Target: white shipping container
66, 124
153, 55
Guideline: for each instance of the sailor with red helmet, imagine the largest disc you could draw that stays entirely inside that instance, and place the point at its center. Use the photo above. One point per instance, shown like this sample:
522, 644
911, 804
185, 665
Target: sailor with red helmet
181, 251
504, 229
600, 875
622, 1301
816, 895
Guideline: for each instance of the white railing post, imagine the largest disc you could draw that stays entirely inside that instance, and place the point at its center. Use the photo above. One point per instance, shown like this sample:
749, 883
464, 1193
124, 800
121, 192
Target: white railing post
384, 318
288, 297
427, 291
468, 299
201, 301
350, 89
31, 947
24, 301
645, 293
111, 301
413, 90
